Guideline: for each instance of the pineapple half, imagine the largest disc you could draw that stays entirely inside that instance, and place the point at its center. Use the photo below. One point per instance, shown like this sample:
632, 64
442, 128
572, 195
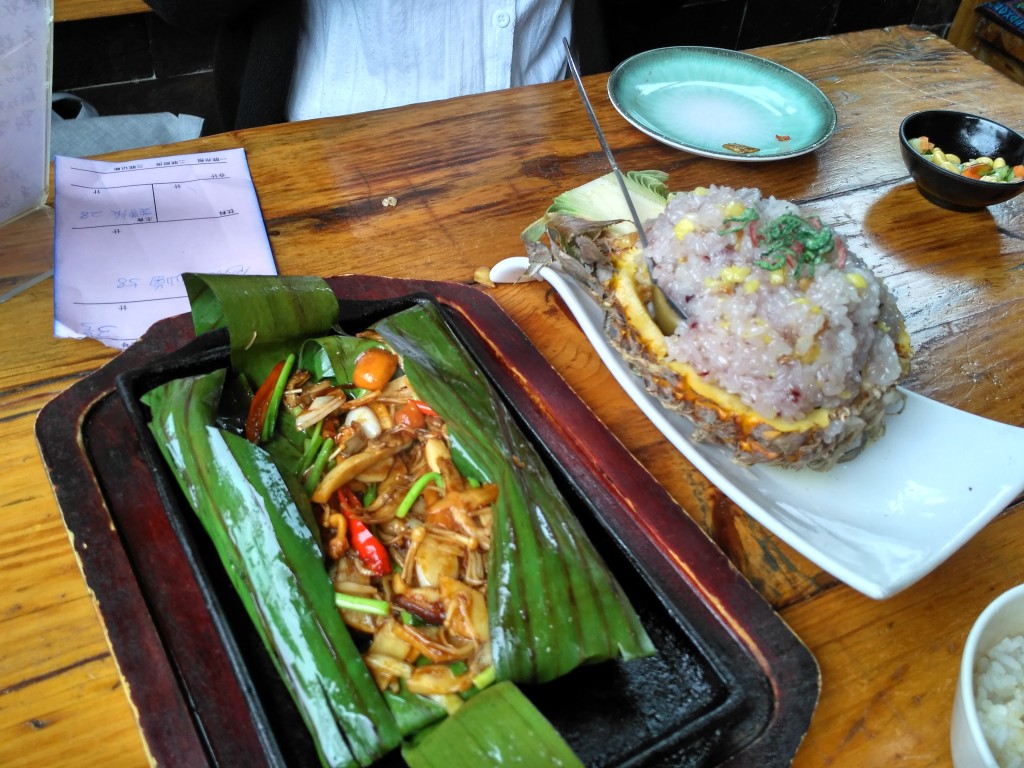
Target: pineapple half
579, 236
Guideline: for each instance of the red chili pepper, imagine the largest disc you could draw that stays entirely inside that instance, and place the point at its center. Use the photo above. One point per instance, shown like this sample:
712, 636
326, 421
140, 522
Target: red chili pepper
425, 409
373, 554
260, 404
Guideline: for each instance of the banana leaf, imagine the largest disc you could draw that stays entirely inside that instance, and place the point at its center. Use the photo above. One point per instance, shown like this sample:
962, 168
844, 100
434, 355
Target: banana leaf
266, 314
498, 726
275, 565
554, 605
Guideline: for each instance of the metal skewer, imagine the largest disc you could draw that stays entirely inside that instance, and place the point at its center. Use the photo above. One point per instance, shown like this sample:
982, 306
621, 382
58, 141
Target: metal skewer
666, 313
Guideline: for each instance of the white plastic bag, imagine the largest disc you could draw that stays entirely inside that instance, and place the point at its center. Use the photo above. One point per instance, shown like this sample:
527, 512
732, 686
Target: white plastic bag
89, 133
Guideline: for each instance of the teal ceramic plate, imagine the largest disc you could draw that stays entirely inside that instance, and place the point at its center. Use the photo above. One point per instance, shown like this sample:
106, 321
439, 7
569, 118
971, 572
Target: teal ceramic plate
721, 103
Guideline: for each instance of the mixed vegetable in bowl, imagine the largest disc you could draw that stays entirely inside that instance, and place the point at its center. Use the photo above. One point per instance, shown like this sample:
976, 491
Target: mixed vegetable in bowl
396, 540
980, 168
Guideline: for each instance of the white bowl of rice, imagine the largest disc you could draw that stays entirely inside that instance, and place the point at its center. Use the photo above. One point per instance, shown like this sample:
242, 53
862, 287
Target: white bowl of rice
988, 714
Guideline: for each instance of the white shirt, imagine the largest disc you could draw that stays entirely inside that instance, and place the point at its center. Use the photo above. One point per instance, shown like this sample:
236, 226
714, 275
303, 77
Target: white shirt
358, 55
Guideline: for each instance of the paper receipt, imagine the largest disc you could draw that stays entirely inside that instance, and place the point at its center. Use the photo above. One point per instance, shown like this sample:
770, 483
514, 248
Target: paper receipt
126, 231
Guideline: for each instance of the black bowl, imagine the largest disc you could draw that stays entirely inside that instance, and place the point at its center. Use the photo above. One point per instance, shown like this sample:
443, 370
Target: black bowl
968, 137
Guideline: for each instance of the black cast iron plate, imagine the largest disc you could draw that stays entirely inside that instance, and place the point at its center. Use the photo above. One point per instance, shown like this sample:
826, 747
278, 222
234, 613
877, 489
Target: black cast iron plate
731, 684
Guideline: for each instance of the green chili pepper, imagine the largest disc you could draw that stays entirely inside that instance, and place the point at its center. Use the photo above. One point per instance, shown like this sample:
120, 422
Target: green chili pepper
411, 619
370, 494
312, 449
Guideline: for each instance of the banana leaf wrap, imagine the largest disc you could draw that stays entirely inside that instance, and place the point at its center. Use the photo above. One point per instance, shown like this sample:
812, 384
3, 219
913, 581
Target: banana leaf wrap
553, 603
267, 315
275, 565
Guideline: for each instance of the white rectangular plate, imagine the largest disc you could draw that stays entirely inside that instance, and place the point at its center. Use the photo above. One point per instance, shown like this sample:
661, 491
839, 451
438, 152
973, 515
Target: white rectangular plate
879, 522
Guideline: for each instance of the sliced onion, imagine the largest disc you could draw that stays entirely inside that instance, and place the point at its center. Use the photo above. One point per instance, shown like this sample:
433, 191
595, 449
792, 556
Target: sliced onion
318, 410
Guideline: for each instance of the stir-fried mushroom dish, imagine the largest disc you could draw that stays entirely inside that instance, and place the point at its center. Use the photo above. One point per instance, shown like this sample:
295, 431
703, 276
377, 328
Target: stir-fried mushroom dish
406, 534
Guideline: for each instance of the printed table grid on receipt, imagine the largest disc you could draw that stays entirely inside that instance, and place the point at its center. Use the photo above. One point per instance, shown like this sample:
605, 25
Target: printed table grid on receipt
125, 232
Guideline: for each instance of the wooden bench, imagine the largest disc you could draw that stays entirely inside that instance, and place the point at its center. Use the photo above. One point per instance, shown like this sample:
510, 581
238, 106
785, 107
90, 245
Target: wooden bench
75, 10
987, 41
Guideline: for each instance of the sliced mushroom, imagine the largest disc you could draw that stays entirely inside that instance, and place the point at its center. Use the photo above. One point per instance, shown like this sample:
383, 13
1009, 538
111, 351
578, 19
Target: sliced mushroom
433, 680
349, 468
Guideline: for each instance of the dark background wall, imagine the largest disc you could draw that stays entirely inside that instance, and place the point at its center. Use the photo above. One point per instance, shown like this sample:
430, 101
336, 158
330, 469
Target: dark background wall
137, 64
739, 24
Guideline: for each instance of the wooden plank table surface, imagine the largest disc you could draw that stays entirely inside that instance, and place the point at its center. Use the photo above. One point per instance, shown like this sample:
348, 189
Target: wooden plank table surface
468, 175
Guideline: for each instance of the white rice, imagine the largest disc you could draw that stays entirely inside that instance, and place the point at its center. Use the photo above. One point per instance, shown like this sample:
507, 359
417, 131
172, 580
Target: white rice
999, 696
786, 340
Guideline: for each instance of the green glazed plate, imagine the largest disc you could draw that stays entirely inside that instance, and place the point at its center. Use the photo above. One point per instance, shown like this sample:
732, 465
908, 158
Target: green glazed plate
720, 103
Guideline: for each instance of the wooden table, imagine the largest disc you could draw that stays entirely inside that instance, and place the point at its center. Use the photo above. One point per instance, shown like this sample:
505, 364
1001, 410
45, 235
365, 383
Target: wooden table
468, 175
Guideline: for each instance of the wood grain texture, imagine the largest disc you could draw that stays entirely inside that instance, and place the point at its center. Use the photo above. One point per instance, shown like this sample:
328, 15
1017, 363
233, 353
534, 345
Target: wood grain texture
961, 31
469, 174
75, 10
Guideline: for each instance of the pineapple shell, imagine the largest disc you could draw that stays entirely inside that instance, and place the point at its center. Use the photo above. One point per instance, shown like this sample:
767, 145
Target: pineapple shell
613, 270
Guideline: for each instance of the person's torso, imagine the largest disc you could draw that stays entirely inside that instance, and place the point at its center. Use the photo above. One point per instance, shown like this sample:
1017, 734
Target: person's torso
358, 55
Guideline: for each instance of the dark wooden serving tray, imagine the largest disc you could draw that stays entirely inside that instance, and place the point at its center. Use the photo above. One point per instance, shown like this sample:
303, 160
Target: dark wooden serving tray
731, 684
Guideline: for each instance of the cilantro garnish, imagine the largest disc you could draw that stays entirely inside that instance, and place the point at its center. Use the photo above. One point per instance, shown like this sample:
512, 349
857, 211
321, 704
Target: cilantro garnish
789, 239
